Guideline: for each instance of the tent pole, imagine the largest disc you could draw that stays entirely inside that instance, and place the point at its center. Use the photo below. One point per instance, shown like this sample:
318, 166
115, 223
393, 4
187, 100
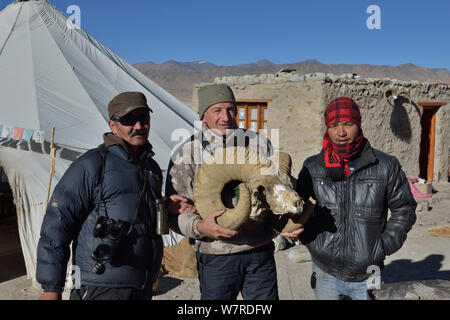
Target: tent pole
52, 167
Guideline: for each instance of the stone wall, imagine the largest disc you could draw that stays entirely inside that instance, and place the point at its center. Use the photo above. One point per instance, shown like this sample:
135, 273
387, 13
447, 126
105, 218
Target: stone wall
298, 102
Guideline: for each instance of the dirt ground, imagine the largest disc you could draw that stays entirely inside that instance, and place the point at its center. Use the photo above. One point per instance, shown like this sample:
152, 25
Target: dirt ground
422, 257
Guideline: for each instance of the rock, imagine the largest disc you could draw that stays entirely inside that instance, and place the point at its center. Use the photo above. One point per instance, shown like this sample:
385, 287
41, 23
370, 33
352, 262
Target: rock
282, 243
315, 78
442, 231
297, 255
330, 77
296, 78
318, 75
414, 290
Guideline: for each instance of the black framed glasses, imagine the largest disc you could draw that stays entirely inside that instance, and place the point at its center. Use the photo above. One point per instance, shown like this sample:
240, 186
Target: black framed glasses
131, 120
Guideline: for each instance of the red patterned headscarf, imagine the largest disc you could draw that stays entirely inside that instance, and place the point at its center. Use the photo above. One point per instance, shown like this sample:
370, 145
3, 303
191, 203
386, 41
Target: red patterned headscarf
337, 156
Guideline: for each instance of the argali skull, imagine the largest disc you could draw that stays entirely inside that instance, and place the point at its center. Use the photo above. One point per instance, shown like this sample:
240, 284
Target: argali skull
264, 189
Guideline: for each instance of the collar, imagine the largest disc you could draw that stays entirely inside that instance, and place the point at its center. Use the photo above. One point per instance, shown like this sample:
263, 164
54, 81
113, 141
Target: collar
215, 137
366, 157
112, 140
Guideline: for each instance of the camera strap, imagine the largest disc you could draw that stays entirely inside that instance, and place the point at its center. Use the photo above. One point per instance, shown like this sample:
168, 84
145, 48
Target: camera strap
141, 194
103, 152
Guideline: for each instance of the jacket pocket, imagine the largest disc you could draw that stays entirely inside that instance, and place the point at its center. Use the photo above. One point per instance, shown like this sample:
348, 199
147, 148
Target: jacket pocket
378, 252
372, 215
365, 240
369, 193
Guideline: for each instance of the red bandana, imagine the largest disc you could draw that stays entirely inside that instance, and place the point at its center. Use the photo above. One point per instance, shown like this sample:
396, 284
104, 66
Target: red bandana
337, 156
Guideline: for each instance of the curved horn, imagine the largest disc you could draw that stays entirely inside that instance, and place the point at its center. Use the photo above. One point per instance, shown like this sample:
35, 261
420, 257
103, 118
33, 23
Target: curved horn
285, 163
406, 94
213, 177
390, 92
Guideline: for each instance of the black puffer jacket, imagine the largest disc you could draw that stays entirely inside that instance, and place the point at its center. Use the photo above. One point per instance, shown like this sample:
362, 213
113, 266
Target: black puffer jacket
349, 230
71, 217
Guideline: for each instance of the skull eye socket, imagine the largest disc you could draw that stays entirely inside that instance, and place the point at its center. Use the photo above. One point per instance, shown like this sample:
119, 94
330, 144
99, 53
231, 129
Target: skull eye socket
230, 192
261, 191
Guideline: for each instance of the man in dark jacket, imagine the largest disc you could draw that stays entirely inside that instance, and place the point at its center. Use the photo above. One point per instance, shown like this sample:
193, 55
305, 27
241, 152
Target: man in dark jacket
106, 203
354, 185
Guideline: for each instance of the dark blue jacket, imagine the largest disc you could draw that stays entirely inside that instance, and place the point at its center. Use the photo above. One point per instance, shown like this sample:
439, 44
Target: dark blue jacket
71, 217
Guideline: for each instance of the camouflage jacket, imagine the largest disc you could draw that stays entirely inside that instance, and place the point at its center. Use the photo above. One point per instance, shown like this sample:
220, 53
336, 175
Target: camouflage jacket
183, 168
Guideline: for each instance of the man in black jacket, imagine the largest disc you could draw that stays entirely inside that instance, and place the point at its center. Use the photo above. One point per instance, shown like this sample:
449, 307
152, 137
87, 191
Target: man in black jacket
354, 185
106, 203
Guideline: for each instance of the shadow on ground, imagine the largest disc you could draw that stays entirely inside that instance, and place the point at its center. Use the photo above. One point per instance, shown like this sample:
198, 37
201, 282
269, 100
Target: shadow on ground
166, 284
405, 270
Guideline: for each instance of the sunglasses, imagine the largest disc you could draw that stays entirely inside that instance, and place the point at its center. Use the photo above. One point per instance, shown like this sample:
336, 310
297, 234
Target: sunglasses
131, 120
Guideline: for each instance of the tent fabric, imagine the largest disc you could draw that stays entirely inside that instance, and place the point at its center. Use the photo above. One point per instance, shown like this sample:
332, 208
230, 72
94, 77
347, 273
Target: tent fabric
52, 75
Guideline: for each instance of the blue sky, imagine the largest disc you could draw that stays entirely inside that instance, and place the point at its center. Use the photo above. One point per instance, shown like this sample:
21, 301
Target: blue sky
282, 31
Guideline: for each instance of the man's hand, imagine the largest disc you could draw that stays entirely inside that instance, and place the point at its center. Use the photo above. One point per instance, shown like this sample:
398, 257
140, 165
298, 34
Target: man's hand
50, 296
176, 204
294, 234
211, 229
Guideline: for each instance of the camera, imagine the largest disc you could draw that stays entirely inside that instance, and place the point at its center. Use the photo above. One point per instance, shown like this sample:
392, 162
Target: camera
110, 232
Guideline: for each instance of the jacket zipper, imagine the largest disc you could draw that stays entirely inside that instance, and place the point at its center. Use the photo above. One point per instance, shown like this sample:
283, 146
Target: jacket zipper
346, 216
348, 210
343, 226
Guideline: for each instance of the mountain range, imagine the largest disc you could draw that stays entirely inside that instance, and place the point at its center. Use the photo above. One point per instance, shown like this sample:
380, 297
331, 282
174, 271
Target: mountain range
178, 78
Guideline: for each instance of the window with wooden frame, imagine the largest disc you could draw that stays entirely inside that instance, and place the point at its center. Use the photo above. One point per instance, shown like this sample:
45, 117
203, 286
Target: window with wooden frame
252, 115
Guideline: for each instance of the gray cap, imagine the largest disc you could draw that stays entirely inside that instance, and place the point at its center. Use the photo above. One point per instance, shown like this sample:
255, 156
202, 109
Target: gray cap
125, 102
212, 94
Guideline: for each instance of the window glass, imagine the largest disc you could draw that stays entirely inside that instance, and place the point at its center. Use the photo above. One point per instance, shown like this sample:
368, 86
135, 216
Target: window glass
254, 114
241, 113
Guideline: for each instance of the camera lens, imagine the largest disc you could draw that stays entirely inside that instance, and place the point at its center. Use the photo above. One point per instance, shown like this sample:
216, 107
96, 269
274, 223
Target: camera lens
103, 252
100, 227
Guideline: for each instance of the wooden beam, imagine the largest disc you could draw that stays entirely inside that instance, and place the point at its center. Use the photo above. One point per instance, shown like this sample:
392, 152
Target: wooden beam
430, 169
432, 104
253, 100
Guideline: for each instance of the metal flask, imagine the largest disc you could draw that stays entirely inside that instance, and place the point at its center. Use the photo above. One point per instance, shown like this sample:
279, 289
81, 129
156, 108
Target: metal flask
161, 218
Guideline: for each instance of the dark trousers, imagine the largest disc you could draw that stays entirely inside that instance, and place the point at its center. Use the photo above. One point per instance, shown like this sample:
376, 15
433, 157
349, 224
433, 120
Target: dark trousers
102, 293
253, 273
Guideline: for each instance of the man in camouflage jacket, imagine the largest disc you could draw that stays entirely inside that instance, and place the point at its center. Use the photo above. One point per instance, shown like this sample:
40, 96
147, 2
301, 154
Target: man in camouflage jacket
228, 261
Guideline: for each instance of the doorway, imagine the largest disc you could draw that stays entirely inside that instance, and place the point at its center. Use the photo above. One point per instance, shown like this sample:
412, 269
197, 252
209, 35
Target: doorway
12, 264
427, 143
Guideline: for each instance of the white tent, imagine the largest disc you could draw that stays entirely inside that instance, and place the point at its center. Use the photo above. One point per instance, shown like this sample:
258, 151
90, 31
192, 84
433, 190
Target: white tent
54, 75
